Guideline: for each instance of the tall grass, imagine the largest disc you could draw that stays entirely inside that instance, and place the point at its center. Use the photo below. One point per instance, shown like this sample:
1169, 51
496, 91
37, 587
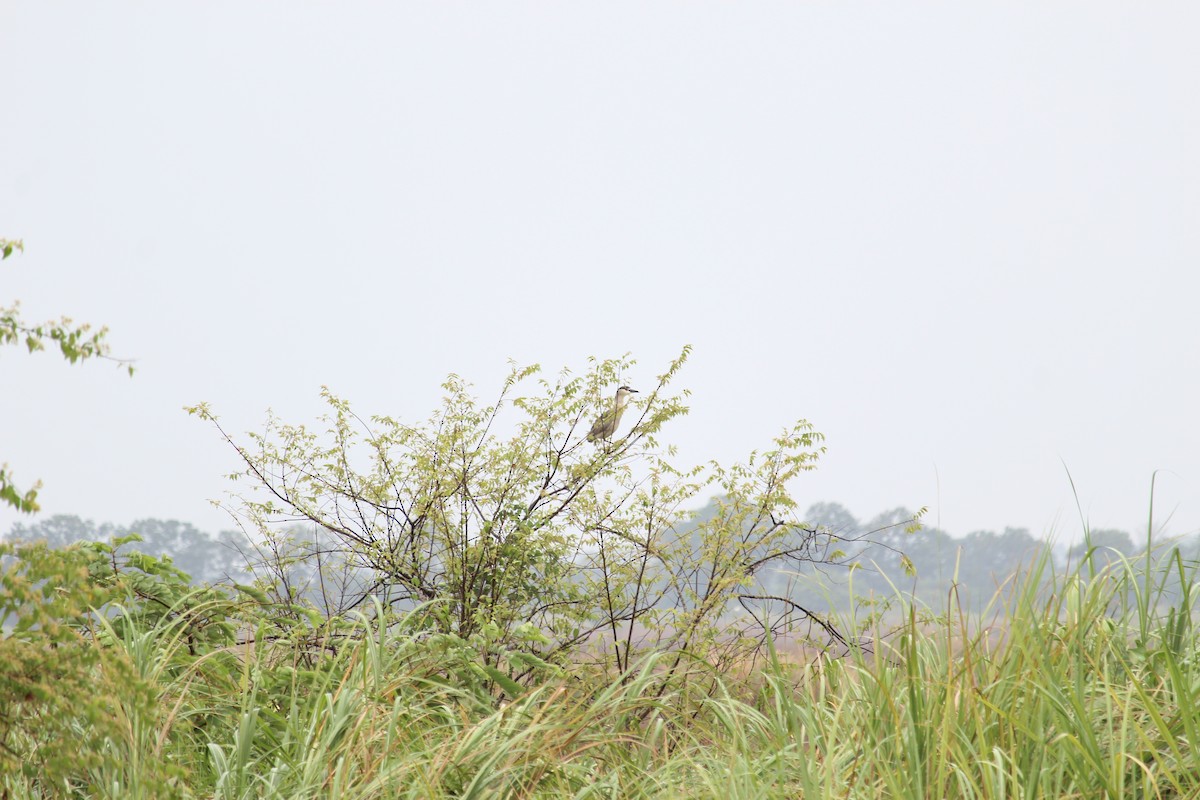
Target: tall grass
1085, 685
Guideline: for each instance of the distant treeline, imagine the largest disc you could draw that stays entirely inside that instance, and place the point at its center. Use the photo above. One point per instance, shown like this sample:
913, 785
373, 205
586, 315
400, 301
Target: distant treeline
204, 557
929, 564
889, 555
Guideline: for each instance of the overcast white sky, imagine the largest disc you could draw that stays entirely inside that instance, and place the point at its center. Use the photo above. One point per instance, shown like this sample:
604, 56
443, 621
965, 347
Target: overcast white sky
962, 239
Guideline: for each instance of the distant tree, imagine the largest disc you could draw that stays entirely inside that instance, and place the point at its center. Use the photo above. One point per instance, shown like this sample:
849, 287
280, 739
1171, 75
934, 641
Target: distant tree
990, 559
57, 531
934, 555
203, 557
75, 342
1111, 539
834, 517
1107, 539
1002, 549
891, 533
1102, 547
206, 558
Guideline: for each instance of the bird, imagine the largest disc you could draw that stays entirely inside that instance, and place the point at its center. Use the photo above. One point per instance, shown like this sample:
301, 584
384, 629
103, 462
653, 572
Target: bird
606, 424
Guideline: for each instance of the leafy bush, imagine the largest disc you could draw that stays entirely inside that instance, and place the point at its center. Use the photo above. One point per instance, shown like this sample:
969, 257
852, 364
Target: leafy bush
62, 697
501, 519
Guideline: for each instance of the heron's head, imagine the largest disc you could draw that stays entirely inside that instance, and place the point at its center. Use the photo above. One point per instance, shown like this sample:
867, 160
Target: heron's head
623, 394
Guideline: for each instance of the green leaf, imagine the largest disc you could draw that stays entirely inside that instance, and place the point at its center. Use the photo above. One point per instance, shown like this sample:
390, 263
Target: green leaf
255, 594
510, 687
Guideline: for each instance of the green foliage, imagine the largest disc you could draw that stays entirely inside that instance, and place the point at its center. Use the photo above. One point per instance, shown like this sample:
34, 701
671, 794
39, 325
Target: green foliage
501, 518
76, 342
25, 501
205, 558
94, 636
57, 688
1060, 696
8, 246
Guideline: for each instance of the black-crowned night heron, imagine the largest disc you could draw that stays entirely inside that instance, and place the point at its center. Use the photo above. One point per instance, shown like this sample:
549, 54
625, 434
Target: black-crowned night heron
606, 425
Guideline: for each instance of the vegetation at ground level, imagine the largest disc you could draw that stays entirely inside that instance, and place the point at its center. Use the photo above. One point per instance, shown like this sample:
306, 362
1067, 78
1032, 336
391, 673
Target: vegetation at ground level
488, 605
1086, 690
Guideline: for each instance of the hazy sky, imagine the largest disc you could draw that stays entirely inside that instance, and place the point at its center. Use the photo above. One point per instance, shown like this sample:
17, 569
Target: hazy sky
963, 239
